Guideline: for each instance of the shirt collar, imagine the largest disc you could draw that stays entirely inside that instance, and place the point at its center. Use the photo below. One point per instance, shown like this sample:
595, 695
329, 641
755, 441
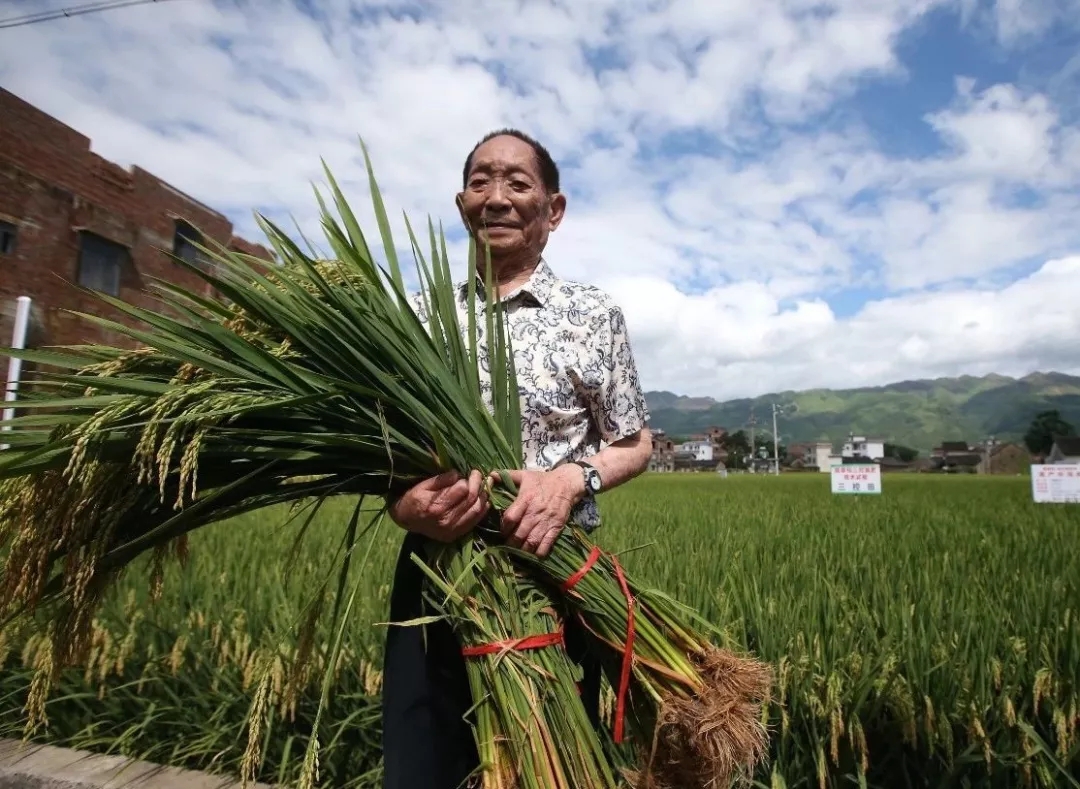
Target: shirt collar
538, 286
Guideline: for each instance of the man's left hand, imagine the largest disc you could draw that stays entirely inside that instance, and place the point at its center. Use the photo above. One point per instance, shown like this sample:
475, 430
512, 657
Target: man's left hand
544, 500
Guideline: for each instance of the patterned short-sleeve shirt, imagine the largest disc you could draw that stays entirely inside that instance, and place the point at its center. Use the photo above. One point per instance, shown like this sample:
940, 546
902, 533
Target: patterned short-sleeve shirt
576, 373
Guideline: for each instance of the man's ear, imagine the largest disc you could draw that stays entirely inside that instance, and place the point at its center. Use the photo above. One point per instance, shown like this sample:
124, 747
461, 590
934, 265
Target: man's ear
556, 210
459, 202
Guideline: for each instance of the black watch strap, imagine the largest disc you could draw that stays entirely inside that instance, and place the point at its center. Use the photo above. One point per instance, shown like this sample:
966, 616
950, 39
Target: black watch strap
593, 481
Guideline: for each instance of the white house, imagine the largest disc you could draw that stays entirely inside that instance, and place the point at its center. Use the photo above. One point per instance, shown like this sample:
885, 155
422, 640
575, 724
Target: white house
702, 450
861, 446
824, 457
1065, 450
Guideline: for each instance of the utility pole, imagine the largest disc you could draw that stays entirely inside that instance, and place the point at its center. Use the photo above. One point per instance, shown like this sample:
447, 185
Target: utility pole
988, 453
751, 422
779, 410
775, 443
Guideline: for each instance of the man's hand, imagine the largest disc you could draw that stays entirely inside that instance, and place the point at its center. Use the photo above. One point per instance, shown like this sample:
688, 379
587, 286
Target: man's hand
537, 516
442, 508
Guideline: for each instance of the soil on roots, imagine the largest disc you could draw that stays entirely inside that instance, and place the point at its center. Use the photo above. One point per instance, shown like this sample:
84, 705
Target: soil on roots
715, 738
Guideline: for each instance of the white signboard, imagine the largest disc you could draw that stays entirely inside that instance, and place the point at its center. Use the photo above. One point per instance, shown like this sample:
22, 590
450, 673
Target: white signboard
865, 478
1056, 483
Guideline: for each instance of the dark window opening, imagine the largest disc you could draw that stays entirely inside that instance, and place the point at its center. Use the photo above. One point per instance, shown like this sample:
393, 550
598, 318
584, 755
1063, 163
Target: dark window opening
100, 263
184, 244
8, 232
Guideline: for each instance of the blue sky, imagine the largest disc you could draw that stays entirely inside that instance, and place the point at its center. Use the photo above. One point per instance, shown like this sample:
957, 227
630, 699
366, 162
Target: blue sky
780, 195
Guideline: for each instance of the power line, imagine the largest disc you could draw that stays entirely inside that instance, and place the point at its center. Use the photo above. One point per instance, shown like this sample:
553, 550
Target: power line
79, 10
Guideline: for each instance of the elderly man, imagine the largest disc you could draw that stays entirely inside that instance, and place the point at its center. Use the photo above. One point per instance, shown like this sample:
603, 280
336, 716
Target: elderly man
584, 431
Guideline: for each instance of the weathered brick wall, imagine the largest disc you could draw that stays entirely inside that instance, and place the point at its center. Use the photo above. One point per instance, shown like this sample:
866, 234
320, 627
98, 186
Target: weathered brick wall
51, 187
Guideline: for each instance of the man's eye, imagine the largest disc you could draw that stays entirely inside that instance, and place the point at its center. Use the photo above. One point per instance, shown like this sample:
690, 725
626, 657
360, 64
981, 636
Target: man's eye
521, 186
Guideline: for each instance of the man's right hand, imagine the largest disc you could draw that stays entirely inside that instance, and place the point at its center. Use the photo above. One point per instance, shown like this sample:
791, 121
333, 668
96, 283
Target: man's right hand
442, 508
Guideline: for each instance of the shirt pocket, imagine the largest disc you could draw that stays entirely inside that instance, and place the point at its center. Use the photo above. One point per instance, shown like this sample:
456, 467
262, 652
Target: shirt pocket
554, 391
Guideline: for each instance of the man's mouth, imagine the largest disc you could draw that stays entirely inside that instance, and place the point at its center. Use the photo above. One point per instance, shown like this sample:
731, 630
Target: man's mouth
505, 225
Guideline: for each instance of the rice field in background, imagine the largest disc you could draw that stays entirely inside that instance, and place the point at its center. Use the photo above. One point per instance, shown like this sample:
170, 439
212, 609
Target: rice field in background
926, 637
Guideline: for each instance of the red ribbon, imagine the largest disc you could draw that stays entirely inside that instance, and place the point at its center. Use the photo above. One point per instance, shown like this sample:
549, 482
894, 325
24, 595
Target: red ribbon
628, 654
628, 650
515, 645
572, 581
554, 639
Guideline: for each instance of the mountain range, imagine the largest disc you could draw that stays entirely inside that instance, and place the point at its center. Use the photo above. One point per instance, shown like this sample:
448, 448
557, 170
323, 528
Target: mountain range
918, 414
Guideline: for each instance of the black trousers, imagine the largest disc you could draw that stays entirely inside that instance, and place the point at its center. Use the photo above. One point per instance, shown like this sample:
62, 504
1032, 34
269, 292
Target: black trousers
427, 740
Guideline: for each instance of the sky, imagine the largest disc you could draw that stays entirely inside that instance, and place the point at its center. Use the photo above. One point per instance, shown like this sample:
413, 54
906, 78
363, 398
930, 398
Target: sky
779, 194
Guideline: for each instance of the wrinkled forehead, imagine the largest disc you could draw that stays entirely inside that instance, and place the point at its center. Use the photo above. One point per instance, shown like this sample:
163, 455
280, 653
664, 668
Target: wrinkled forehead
504, 155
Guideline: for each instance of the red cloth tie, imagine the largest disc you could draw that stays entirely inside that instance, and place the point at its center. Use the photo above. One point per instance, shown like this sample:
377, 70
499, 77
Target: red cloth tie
515, 644
628, 649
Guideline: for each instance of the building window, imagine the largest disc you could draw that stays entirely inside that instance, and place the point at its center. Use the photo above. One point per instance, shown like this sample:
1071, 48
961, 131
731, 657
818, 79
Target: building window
100, 263
7, 238
184, 244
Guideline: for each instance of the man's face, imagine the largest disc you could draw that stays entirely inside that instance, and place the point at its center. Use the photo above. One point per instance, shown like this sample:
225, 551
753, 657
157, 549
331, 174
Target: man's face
504, 202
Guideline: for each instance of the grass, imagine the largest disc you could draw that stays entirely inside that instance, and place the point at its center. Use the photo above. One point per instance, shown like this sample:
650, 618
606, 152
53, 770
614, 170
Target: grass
926, 637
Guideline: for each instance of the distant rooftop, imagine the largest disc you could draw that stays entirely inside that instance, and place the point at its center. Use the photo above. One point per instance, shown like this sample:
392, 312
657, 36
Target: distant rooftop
1068, 445
955, 446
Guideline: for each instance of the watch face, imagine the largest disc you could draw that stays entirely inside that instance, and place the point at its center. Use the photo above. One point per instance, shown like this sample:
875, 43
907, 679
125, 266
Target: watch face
594, 480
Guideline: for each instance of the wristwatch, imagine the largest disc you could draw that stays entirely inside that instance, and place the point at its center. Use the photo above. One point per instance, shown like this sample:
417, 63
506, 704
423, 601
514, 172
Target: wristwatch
593, 483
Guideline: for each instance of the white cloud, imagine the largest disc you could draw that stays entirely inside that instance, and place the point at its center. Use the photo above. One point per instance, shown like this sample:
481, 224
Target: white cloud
738, 339
722, 250
999, 133
1018, 21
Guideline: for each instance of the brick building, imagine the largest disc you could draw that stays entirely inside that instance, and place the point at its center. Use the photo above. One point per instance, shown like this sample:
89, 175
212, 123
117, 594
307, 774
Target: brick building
69, 217
663, 452
1008, 458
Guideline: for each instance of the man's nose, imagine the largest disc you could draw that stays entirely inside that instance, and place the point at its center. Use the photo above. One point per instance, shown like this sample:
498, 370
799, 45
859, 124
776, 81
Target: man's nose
497, 196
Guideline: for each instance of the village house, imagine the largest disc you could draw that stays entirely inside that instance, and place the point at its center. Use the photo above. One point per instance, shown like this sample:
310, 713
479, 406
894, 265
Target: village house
824, 458
801, 456
70, 218
855, 449
699, 452
1007, 458
893, 464
696, 449
663, 452
688, 461
1066, 449
703, 451
955, 457
799, 453
716, 435
863, 448
947, 448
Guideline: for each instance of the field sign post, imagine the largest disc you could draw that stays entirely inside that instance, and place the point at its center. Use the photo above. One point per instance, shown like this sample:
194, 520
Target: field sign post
861, 478
18, 341
1056, 484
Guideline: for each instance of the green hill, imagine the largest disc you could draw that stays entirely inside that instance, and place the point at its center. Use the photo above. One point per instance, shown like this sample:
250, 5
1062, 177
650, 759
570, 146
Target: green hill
918, 414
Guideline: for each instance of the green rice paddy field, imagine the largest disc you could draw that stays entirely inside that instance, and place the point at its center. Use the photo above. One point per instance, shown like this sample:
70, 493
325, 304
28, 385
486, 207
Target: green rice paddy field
926, 637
